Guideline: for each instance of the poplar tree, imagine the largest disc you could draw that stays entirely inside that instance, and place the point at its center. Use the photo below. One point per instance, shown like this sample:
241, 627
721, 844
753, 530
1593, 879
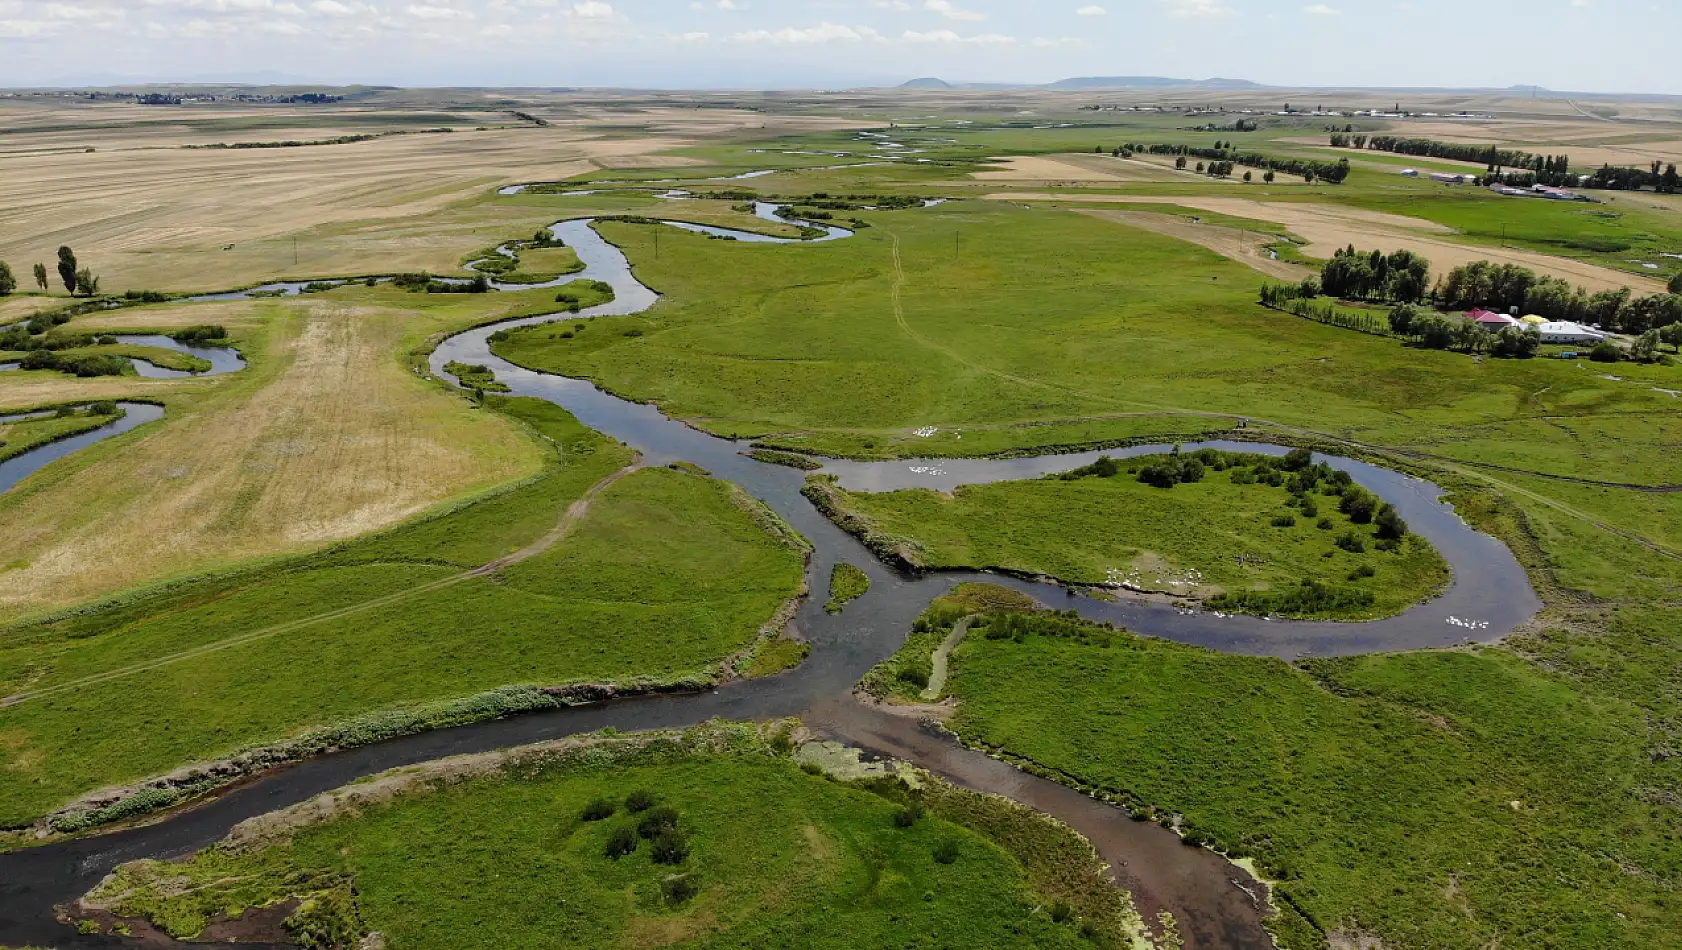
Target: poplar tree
67, 269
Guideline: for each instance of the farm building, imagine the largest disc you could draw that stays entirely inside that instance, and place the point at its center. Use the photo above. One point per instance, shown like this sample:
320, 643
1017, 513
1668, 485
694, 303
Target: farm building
1491, 321
1449, 179
1567, 332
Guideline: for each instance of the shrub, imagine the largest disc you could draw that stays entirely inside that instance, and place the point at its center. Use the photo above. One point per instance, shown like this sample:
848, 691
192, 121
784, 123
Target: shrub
657, 821
914, 676
1061, 911
1284, 521
200, 333
1364, 571
909, 815
946, 852
640, 800
104, 407
679, 888
1605, 352
1359, 504
1391, 527
1309, 509
598, 810
1349, 542
670, 847
621, 842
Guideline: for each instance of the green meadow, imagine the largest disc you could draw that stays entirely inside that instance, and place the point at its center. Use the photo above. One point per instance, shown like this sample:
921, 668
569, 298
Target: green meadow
1444, 800
1021, 329
666, 576
19, 437
1197, 539
772, 855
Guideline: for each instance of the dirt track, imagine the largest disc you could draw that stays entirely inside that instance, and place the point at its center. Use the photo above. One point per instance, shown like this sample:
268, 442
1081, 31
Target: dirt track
1246, 247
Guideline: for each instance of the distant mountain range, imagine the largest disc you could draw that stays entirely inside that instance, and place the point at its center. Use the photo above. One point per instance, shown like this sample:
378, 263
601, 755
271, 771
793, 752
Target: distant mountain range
1085, 83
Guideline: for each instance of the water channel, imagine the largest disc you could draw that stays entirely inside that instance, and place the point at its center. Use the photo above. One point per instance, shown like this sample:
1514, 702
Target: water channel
1214, 902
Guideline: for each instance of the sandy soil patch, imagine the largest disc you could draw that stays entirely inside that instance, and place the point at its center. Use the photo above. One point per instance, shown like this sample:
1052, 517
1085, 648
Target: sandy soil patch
1246, 247
1329, 227
330, 439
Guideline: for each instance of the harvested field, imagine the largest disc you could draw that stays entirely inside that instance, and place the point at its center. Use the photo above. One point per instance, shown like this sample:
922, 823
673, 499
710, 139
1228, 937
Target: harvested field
1329, 227
167, 218
326, 436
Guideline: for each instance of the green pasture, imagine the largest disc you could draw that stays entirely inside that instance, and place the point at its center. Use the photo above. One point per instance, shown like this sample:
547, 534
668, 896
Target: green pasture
1025, 329
1194, 539
666, 576
19, 437
1444, 800
776, 856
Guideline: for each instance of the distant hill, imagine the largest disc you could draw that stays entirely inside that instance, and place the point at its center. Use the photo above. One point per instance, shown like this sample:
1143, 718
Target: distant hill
1086, 83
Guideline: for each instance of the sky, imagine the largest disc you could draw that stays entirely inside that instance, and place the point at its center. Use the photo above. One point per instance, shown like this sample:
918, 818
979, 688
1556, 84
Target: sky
1576, 45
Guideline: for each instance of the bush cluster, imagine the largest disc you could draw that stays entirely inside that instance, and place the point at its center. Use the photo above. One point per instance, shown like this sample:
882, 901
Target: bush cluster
1311, 597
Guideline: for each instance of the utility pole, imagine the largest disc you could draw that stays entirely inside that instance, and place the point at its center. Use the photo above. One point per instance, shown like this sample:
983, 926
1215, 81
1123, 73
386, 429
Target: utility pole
294, 250
657, 241
954, 245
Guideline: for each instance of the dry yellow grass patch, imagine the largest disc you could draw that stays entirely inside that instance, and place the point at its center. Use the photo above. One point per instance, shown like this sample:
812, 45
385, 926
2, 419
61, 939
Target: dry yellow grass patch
13, 309
1329, 227
327, 436
1036, 168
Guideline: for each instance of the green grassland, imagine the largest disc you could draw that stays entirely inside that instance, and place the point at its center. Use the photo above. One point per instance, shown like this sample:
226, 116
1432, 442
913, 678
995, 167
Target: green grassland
1610, 234
1438, 800
777, 856
1197, 539
1088, 332
19, 437
666, 576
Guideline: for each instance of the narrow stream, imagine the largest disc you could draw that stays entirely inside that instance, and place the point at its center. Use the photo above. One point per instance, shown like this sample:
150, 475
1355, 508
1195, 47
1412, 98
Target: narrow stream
14, 470
1207, 895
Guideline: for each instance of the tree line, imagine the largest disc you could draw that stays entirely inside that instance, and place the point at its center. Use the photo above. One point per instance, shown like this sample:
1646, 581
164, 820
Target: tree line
1502, 287
1525, 168
1405, 277
78, 280
1310, 169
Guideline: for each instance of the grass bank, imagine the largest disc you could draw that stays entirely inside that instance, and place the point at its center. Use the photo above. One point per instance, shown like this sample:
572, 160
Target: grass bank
766, 853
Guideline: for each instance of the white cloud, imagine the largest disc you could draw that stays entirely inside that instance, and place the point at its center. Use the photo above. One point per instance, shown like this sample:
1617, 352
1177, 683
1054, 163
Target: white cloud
426, 11
1197, 8
1091, 9
331, 8
1047, 42
25, 29
1320, 9
950, 11
824, 32
592, 10
947, 36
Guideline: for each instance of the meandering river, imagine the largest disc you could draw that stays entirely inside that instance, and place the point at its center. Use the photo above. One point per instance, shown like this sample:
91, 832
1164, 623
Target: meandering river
1211, 899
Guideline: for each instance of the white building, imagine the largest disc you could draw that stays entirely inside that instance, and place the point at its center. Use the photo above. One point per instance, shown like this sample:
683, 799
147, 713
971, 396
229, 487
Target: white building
1567, 332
